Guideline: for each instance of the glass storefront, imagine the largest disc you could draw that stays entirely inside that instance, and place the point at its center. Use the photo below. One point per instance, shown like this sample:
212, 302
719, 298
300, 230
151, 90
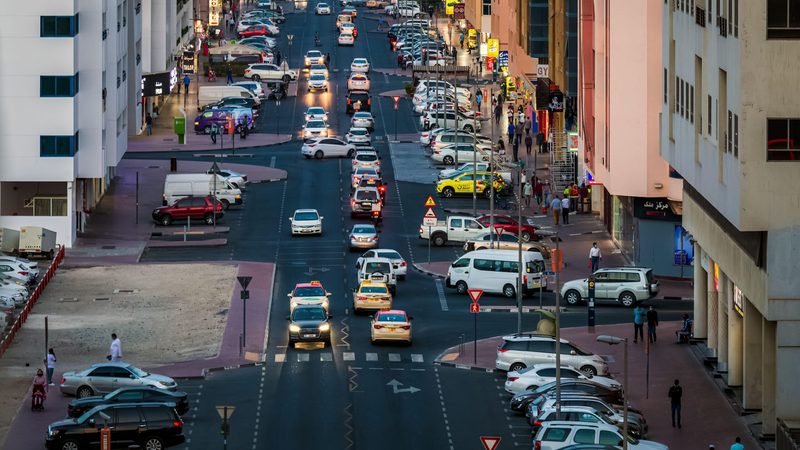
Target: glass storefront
624, 230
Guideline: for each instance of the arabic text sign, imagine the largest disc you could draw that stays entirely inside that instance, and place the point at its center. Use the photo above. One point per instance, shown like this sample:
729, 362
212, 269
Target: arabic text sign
502, 59
654, 209
493, 47
214, 11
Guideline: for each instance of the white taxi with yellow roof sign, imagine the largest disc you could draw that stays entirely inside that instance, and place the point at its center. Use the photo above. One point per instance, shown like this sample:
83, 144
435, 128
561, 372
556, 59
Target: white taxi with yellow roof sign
311, 293
391, 325
372, 295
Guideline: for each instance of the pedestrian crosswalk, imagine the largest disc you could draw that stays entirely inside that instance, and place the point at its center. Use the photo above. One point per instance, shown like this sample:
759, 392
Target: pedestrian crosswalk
309, 356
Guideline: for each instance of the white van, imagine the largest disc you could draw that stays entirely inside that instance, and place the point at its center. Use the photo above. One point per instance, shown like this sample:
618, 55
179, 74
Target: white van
211, 94
180, 185
495, 271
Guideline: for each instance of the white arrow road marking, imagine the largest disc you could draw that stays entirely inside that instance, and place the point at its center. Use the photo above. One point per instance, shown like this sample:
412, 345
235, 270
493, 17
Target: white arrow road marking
311, 270
398, 390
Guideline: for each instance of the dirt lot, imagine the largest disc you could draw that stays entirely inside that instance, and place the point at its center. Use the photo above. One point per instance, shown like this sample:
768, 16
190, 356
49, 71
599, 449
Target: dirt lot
161, 313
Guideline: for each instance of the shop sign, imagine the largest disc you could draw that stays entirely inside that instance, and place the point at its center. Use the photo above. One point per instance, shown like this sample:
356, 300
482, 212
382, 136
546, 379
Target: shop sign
543, 71
654, 209
490, 63
214, 12
738, 300
511, 88
683, 249
502, 59
484, 49
187, 62
472, 38
160, 83
572, 141
556, 101
492, 47
449, 7
458, 10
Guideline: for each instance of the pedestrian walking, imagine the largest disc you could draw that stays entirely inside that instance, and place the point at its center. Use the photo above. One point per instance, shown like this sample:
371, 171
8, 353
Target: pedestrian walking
737, 444
638, 323
399, 60
498, 113
479, 99
527, 192
213, 133
521, 115
50, 362
515, 149
186, 80
115, 349
229, 75
510, 131
652, 323
555, 205
675, 393
528, 143
461, 39
565, 205
540, 142
148, 122
538, 189
278, 57
595, 256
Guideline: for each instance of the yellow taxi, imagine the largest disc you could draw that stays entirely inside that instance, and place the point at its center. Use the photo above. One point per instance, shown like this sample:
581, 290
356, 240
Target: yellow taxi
311, 293
391, 325
462, 184
372, 295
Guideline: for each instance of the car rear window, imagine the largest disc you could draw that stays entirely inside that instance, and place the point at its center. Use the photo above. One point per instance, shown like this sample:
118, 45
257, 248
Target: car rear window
355, 97
366, 157
363, 229
373, 290
390, 255
366, 195
157, 414
514, 345
377, 267
391, 317
555, 434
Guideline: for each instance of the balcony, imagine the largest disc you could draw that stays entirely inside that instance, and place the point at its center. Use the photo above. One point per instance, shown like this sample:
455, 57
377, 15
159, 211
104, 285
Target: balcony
722, 24
105, 33
700, 16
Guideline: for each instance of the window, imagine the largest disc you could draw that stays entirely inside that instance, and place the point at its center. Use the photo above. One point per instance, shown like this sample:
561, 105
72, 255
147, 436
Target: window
710, 116
484, 264
58, 86
550, 372
729, 134
783, 139
666, 85
584, 437
610, 438
691, 103
58, 145
783, 19
542, 346
487, 7
156, 414
130, 396
515, 345
632, 276
128, 416
58, 26
100, 372
735, 135
556, 434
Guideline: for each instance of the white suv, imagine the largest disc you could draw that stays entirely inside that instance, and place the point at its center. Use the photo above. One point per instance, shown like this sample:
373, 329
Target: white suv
380, 270
559, 434
626, 285
519, 352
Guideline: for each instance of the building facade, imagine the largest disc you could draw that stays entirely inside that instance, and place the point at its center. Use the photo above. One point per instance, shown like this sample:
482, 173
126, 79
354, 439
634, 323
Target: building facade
67, 110
620, 102
731, 129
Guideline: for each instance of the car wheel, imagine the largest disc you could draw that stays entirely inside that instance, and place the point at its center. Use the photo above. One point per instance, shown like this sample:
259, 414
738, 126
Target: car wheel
627, 299
461, 287
350, 153
225, 204
209, 219
448, 192
439, 240
469, 128
153, 443
516, 367
69, 444
589, 369
487, 193
526, 236
256, 78
509, 291
165, 220
572, 297
318, 154
286, 78
84, 391
207, 130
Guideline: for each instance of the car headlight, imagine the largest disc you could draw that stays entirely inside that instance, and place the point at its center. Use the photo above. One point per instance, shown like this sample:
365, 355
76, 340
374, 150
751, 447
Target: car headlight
294, 328
325, 304
325, 327
294, 304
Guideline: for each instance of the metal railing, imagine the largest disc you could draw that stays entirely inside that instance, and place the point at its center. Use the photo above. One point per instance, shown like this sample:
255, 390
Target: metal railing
700, 16
787, 436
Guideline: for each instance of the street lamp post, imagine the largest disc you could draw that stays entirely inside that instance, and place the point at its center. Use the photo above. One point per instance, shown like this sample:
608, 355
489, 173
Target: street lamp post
614, 340
556, 258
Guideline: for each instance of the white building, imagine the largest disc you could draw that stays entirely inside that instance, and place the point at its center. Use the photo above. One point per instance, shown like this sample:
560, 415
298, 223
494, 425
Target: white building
69, 77
731, 128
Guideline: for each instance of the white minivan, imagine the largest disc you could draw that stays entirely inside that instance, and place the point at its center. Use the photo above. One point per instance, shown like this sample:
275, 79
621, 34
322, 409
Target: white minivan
180, 185
211, 94
495, 271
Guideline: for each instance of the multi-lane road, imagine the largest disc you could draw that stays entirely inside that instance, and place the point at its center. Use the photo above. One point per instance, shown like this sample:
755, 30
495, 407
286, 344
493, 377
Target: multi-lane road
352, 394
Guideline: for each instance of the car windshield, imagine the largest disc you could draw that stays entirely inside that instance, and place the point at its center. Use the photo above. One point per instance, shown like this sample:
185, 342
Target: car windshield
359, 61
315, 111
364, 229
138, 372
367, 157
314, 54
309, 291
318, 67
308, 314
373, 290
318, 77
377, 267
306, 216
362, 115
315, 124
391, 317
358, 131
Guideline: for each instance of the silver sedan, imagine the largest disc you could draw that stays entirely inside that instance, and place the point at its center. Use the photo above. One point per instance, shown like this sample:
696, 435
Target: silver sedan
102, 378
363, 236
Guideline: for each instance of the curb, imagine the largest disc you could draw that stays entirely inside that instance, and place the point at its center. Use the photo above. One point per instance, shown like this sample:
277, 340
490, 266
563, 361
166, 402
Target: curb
272, 180
465, 367
427, 272
233, 367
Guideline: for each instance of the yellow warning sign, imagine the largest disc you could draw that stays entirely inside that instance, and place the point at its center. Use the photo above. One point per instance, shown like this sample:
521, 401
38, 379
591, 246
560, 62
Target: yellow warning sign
429, 201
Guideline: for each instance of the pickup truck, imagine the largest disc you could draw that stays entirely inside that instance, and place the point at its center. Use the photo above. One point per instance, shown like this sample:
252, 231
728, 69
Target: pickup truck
454, 228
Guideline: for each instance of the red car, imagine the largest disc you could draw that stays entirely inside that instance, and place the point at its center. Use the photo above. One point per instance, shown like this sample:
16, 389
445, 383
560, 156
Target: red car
255, 30
191, 208
508, 223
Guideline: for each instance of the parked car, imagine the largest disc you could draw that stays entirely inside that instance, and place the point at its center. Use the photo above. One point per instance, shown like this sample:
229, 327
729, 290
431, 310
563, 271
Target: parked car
520, 351
557, 435
17, 273
109, 376
534, 376
505, 241
145, 394
615, 412
197, 208
309, 323
147, 425
508, 223
236, 179
626, 285
253, 87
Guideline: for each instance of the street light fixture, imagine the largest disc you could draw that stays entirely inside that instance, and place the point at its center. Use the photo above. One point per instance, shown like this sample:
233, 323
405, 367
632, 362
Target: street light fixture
557, 269
614, 340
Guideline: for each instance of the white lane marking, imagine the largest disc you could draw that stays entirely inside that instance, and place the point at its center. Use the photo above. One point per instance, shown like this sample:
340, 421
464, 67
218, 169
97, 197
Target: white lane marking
394, 357
281, 357
348, 356
326, 357
372, 356
302, 357
442, 299
417, 358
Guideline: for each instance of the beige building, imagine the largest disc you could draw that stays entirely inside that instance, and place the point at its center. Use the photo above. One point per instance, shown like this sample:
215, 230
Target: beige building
730, 127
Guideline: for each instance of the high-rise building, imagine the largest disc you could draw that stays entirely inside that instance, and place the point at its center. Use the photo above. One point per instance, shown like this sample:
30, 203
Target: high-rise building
730, 126
69, 73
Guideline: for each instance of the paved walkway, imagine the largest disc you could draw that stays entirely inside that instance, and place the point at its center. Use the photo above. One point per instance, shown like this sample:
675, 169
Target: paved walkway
707, 416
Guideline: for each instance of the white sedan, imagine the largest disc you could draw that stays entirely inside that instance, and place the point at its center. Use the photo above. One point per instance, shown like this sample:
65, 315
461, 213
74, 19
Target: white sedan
466, 152
238, 180
315, 128
323, 8
331, 147
317, 82
318, 69
346, 39
358, 82
359, 65
306, 221
316, 112
391, 325
358, 135
540, 374
363, 119
399, 265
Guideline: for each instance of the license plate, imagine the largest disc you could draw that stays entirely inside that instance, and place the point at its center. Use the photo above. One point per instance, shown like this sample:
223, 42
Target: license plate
392, 328
309, 335
366, 204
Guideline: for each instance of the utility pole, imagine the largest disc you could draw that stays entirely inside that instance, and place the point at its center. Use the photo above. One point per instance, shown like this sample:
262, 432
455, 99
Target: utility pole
520, 270
491, 169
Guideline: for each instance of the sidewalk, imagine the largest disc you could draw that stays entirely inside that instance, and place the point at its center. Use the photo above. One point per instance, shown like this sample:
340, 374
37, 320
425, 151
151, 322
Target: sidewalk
707, 417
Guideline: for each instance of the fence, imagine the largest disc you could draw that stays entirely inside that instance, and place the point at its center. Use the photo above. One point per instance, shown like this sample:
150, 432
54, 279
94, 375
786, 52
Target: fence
37, 292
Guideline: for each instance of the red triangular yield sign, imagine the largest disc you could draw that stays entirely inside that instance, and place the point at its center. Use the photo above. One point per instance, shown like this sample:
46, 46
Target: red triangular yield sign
430, 213
490, 442
429, 201
475, 294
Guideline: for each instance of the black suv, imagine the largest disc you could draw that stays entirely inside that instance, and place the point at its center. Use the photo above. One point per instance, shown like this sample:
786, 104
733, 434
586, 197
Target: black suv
354, 97
309, 323
149, 425
144, 394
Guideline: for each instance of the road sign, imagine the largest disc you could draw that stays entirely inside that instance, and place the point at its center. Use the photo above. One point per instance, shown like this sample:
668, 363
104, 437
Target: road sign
244, 281
474, 308
490, 442
225, 410
429, 201
430, 213
499, 231
429, 221
396, 99
475, 294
